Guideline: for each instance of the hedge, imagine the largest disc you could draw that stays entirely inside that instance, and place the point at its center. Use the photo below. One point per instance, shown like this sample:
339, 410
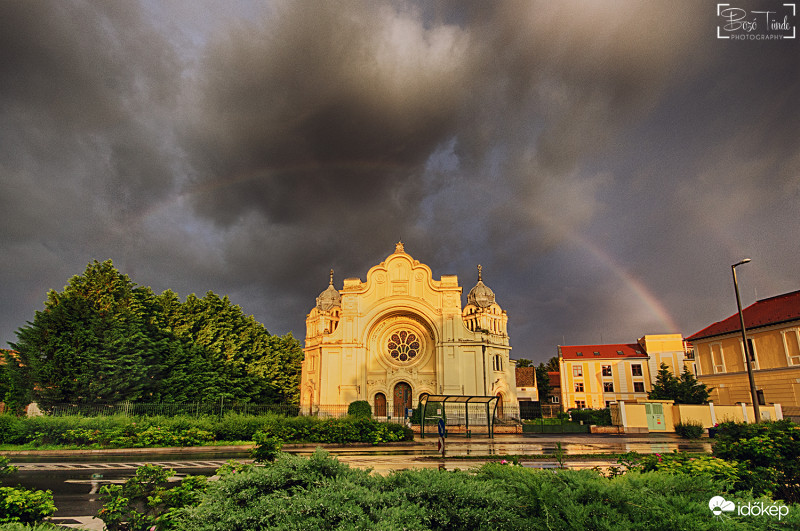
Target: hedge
126, 432
322, 493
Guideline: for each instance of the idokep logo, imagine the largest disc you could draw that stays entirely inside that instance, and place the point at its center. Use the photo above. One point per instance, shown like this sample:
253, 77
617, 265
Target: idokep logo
739, 24
720, 505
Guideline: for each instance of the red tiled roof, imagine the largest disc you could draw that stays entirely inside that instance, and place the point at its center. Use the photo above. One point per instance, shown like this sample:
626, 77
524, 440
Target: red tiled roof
555, 378
588, 352
774, 310
525, 376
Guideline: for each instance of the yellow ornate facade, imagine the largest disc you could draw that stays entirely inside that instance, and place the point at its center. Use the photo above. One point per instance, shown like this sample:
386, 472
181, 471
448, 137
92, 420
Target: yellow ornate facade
401, 333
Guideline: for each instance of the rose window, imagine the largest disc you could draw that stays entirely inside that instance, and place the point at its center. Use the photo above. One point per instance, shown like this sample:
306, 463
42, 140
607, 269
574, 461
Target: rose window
403, 346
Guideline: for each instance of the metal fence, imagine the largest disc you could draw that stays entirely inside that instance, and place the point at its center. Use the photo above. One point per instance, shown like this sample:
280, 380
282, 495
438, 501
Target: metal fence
550, 411
454, 413
170, 409
536, 410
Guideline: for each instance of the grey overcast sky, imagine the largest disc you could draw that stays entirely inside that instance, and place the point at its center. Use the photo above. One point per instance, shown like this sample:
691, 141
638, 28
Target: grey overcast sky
606, 162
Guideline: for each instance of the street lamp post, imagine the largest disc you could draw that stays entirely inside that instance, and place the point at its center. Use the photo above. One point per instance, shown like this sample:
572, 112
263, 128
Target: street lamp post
747, 354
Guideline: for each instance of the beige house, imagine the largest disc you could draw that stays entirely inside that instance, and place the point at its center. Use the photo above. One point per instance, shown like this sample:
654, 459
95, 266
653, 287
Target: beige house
773, 332
402, 333
596, 376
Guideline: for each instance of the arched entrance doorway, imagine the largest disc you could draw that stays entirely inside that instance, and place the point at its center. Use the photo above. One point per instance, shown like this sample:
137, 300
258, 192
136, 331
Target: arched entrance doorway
499, 405
402, 399
380, 405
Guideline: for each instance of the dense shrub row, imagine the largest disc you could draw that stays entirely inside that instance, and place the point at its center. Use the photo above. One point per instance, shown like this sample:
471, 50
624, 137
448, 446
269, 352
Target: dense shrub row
322, 493
336, 431
125, 432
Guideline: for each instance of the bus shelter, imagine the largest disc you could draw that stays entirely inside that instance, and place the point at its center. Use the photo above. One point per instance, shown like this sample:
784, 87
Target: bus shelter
428, 401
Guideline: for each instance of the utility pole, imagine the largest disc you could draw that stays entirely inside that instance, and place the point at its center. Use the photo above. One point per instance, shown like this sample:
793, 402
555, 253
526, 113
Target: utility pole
749, 356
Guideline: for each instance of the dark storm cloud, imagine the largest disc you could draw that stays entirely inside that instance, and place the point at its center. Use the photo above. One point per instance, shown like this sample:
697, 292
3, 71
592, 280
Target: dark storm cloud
318, 111
80, 146
81, 82
604, 162
327, 117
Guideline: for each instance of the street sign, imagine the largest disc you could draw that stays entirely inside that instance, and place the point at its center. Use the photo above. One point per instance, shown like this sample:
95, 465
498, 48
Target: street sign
441, 428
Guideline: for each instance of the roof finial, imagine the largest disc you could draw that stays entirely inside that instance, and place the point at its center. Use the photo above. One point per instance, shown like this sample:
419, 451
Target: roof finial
399, 247
331, 277
480, 269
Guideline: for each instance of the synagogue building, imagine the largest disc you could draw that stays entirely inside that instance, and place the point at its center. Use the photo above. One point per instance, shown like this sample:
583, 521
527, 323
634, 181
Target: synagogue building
401, 333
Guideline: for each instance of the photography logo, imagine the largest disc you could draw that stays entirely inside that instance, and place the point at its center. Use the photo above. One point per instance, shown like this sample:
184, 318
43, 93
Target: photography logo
719, 506
776, 23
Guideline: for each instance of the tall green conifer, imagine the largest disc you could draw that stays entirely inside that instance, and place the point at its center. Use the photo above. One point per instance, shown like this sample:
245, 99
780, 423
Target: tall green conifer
104, 339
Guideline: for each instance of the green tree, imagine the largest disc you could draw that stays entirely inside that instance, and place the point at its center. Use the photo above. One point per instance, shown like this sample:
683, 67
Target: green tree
15, 384
522, 362
666, 386
691, 391
90, 344
105, 339
552, 364
683, 390
543, 383
231, 355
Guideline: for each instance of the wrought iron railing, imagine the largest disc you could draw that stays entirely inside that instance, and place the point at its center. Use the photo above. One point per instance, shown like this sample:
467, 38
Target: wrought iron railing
454, 413
170, 409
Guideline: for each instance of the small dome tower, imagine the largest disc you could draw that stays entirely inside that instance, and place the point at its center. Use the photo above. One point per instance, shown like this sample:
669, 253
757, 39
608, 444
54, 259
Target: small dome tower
330, 298
480, 295
482, 313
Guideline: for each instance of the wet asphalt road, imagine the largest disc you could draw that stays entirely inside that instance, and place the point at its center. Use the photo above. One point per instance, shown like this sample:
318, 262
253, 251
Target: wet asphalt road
75, 477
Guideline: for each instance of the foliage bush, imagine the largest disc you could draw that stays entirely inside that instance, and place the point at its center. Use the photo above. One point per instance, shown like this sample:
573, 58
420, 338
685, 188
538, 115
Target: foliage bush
22, 505
6, 469
267, 448
598, 417
130, 432
322, 493
335, 431
239, 427
680, 463
146, 501
360, 408
691, 429
9, 426
25, 506
769, 453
